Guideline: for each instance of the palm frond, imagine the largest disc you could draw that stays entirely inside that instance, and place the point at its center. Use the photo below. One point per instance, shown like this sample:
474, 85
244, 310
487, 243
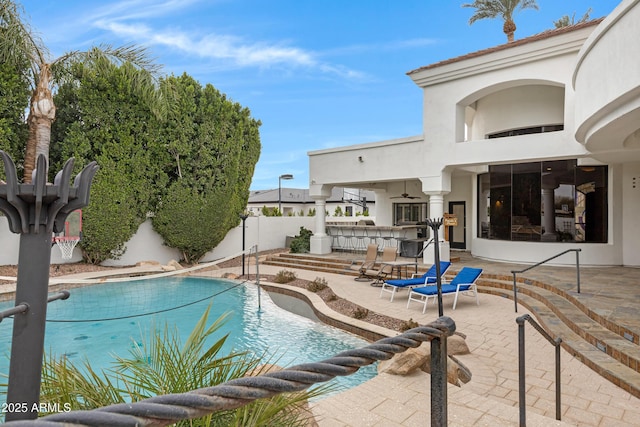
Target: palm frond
138, 56
19, 42
163, 364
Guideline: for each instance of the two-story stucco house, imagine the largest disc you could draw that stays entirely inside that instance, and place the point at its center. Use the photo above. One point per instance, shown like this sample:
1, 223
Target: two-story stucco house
533, 145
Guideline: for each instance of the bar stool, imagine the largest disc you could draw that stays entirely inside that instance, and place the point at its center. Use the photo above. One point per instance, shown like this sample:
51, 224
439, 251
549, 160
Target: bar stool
399, 235
359, 234
347, 238
386, 234
333, 233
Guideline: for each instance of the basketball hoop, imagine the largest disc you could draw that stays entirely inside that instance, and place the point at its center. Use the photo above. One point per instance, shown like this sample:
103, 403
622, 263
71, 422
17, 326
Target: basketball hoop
66, 245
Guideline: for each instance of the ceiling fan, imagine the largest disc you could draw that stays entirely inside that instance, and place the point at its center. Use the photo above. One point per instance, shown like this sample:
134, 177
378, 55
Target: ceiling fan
405, 195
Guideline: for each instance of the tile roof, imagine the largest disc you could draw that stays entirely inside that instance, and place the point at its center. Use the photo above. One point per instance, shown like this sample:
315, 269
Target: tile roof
534, 38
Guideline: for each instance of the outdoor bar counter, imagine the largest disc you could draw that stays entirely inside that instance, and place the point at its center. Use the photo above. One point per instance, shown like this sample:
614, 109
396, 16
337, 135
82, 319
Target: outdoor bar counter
345, 237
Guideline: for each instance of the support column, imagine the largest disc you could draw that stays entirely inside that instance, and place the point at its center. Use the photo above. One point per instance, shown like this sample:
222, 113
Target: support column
320, 241
436, 211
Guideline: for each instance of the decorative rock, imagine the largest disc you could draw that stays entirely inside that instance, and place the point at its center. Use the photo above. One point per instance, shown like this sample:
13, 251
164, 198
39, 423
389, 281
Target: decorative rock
232, 276
175, 264
406, 362
168, 268
457, 373
420, 358
145, 263
456, 344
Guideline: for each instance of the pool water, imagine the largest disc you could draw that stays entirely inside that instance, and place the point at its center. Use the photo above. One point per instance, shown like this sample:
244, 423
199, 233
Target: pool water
287, 338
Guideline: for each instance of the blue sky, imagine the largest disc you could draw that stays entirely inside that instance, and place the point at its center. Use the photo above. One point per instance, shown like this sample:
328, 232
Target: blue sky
317, 73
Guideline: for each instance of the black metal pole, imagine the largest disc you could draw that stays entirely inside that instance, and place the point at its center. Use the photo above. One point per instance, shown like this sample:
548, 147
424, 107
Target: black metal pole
435, 225
522, 396
27, 345
439, 382
244, 218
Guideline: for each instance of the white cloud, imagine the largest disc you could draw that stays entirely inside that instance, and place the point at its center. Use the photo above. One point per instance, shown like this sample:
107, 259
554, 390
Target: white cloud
125, 20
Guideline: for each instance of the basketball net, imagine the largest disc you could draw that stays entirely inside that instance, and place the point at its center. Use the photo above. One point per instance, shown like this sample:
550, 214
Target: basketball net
66, 245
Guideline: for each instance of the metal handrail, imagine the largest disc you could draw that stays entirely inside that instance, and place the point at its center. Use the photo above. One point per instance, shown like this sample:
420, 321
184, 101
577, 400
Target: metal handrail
514, 272
521, 369
419, 254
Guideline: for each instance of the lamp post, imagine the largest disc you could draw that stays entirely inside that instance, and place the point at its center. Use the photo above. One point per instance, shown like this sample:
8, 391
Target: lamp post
243, 217
280, 178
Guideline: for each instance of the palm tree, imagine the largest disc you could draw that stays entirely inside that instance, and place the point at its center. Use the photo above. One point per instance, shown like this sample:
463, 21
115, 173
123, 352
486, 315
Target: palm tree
18, 41
503, 8
566, 21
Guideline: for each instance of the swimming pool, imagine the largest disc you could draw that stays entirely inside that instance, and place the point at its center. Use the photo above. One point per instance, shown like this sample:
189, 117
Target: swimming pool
77, 327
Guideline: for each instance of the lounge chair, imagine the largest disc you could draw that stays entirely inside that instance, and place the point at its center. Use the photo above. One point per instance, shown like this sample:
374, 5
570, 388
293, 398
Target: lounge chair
368, 263
389, 254
394, 285
464, 282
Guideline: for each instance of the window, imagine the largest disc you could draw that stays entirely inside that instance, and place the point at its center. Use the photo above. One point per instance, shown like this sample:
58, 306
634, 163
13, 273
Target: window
555, 201
409, 212
526, 131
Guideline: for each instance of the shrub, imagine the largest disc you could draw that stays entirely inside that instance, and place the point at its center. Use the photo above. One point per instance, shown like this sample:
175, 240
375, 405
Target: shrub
409, 324
317, 285
301, 243
360, 313
285, 276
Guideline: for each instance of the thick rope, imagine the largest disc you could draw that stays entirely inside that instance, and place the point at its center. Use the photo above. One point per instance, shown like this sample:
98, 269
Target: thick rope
168, 409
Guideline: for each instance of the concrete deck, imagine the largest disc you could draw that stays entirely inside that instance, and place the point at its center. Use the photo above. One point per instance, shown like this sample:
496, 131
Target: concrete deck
491, 397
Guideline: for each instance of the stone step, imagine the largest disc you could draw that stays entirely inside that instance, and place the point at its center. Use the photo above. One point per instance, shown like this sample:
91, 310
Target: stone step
607, 358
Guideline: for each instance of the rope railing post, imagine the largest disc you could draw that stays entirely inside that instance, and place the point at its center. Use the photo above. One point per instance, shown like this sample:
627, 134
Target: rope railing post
521, 367
439, 382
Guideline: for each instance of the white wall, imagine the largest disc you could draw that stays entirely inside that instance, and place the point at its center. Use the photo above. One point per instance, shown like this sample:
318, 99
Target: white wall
9, 244
268, 232
518, 107
147, 245
630, 209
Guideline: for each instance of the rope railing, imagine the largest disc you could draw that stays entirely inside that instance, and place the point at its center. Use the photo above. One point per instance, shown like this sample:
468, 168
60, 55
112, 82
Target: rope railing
169, 409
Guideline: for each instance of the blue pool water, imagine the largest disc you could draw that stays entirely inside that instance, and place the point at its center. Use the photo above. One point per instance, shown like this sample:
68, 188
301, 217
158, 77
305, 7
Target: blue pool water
288, 338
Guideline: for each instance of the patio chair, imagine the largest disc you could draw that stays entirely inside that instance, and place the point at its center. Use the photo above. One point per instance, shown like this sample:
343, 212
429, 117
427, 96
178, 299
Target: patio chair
464, 283
389, 254
368, 263
394, 285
